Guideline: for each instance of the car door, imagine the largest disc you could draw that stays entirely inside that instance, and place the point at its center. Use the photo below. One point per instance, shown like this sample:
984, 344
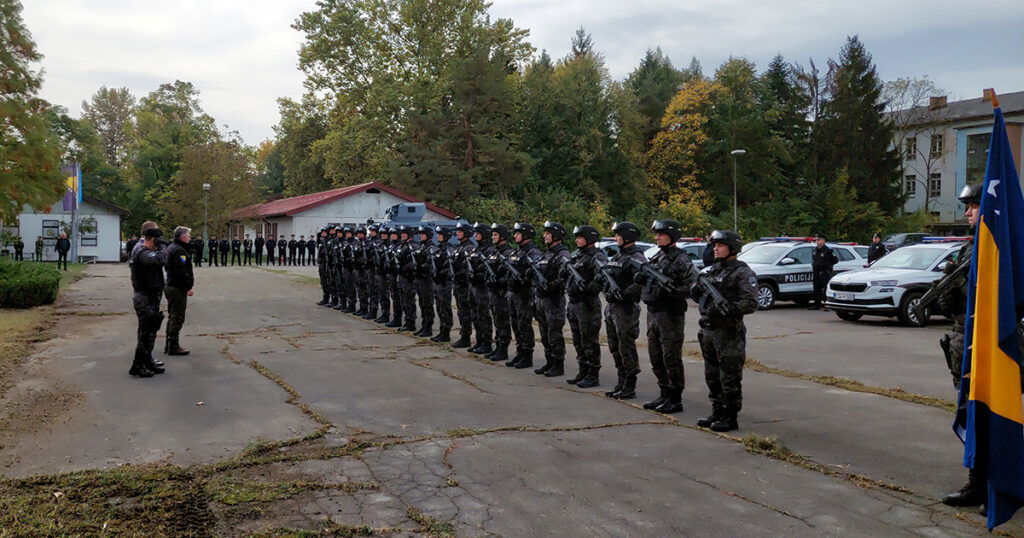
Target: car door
848, 259
797, 277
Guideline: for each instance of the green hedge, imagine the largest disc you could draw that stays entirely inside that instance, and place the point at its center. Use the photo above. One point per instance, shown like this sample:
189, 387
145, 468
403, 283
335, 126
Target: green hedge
27, 284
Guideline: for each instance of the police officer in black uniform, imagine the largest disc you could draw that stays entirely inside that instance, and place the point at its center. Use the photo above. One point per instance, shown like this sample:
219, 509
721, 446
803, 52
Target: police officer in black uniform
479, 291
224, 246
359, 271
520, 299
584, 311
666, 312
292, 249
876, 249
340, 285
822, 262
271, 249
311, 250
461, 286
247, 250
300, 247
622, 315
236, 251
258, 245
213, 246
322, 268
722, 334
394, 278
407, 277
147, 273
498, 283
550, 300
423, 253
371, 245
178, 288
442, 275
196, 247
282, 250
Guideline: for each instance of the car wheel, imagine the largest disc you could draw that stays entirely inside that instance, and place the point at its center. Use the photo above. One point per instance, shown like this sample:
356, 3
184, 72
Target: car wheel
765, 296
848, 316
906, 312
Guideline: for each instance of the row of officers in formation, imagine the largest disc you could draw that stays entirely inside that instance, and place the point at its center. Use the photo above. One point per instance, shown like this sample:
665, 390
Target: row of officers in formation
384, 273
243, 251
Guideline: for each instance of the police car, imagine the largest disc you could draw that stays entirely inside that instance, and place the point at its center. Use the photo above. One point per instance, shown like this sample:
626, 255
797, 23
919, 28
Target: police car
611, 248
693, 247
783, 268
892, 285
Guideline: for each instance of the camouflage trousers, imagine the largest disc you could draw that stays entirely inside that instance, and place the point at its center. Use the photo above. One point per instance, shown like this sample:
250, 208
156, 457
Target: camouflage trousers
585, 325
364, 287
622, 325
383, 289
425, 293
953, 346
665, 348
520, 315
464, 304
443, 303
551, 320
407, 288
350, 286
394, 284
147, 310
177, 303
724, 350
338, 283
480, 297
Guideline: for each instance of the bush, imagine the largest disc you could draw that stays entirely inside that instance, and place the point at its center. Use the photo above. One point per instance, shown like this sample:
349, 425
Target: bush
27, 284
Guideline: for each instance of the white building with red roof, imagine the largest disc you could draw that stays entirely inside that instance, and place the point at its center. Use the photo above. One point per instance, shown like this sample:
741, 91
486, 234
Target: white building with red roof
305, 215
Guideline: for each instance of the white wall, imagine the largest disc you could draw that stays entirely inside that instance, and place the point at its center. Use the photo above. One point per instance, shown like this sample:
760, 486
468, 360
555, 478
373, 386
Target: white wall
108, 228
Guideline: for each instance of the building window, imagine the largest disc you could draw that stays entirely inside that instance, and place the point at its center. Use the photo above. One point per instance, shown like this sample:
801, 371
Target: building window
88, 231
911, 184
935, 185
911, 148
937, 145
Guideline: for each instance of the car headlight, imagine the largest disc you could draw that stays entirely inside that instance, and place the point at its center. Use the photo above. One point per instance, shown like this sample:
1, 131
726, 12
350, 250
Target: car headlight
884, 283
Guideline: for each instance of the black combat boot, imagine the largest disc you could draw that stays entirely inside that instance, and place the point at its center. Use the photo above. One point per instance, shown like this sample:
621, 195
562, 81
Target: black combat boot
340, 307
408, 327
543, 369
360, 312
500, 354
443, 335
725, 423
972, 494
657, 401
618, 387
424, 332
382, 319
580, 376
370, 315
557, 368
394, 324
628, 391
462, 342
322, 302
711, 419
139, 368
482, 348
672, 404
590, 379
175, 349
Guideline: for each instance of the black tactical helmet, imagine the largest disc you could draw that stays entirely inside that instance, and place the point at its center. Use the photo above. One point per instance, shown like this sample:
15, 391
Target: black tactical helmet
441, 230
482, 229
502, 231
423, 229
360, 230
407, 230
669, 227
347, 229
556, 229
373, 228
587, 232
971, 194
465, 228
392, 230
728, 238
630, 232
526, 229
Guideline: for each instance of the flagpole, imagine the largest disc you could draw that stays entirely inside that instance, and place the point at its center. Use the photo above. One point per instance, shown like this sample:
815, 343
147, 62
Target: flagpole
74, 221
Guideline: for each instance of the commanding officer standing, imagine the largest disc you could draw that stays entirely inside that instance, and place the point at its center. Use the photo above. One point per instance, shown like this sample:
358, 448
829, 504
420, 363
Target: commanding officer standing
666, 313
479, 293
407, 278
224, 246
282, 250
460, 283
550, 305
271, 244
322, 269
292, 249
519, 293
147, 270
722, 334
247, 250
876, 250
258, 244
424, 281
443, 265
178, 289
622, 316
236, 251
498, 288
584, 312
822, 262
212, 244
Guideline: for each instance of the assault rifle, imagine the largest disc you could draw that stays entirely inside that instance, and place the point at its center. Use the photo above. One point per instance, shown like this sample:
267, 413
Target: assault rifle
516, 275
711, 299
940, 287
538, 275
647, 268
577, 278
610, 283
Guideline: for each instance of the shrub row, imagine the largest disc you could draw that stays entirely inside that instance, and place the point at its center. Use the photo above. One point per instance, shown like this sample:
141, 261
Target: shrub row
27, 284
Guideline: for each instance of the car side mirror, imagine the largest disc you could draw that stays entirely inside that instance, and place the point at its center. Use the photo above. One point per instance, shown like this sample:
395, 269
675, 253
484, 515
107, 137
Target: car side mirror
941, 267
787, 261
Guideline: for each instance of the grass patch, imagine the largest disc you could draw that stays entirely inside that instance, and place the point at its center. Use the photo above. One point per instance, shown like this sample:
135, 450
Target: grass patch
855, 386
75, 272
329, 528
430, 525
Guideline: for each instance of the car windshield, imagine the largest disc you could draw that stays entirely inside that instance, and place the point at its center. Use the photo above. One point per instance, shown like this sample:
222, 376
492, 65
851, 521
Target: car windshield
764, 253
910, 258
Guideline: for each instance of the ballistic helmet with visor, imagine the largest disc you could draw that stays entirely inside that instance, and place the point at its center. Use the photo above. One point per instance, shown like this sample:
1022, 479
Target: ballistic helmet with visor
502, 231
669, 227
630, 232
587, 232
971, 194
556, 230
728, 238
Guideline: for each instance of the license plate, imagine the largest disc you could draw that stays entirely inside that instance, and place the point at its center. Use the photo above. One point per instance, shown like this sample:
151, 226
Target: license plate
844, 296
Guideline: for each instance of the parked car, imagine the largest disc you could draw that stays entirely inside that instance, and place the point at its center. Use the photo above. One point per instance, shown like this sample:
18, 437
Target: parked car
895, 241
783, 269
610, 248
693, 250
892, 285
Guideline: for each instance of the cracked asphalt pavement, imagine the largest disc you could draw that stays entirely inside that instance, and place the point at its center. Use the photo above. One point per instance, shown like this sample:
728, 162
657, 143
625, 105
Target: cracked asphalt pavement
486, 449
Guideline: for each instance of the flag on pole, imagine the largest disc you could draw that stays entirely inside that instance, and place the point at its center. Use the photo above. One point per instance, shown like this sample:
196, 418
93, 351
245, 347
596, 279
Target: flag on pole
73, 183
990, 420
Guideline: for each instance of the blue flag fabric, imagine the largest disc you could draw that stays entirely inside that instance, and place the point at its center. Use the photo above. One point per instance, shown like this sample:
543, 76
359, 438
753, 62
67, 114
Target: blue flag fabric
990, 420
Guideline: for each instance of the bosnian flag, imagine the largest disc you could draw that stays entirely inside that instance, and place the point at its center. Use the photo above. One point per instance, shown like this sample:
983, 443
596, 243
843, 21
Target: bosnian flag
73, 182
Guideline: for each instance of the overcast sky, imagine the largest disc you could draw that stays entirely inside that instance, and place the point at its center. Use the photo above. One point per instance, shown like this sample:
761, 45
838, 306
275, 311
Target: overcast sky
242, 54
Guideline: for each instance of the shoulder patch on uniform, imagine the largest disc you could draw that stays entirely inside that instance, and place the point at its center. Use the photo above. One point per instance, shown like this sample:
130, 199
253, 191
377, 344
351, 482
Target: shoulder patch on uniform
183, 258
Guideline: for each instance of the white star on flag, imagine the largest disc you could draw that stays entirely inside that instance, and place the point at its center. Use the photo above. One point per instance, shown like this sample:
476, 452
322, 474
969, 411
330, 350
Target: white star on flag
992, 187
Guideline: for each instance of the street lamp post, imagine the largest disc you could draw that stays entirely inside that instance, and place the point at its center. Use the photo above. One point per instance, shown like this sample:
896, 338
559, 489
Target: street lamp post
206, 210
735, 211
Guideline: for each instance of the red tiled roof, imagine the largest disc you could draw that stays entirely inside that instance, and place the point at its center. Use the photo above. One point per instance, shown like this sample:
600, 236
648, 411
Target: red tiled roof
298, 204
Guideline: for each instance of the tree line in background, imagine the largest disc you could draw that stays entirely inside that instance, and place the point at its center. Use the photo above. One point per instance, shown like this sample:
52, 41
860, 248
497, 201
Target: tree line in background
439, 100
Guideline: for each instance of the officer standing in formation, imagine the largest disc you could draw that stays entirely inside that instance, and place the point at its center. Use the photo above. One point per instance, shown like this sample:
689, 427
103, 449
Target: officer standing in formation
497, 289
212, 245
197, 245
224, 246
271, 249
292, 248
311, 250
236, 251
258, 245
247, 250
